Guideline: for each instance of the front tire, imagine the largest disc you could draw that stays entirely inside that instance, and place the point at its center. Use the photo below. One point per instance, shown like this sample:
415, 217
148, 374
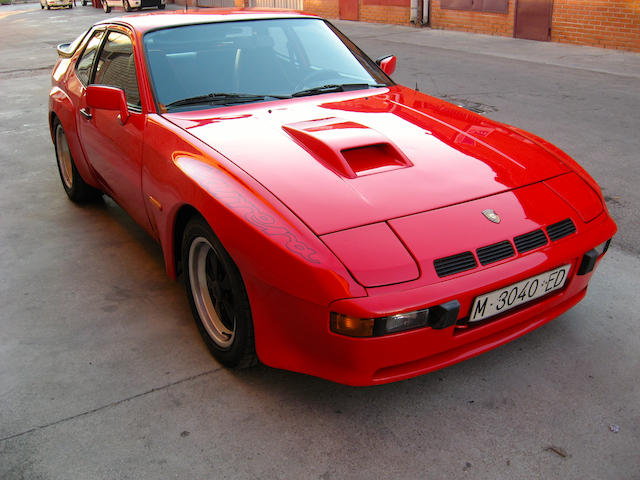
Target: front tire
161, 6
217, 296
126, 5
75, 187
105, 7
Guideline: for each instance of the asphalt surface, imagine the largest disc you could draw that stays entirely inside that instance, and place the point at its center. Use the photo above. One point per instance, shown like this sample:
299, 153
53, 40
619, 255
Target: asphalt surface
103, 374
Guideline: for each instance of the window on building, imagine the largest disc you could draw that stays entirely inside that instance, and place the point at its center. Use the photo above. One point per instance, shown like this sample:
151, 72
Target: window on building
494, 6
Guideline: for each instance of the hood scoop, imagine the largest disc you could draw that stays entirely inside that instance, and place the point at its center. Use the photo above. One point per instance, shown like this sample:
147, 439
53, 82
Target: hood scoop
347, 148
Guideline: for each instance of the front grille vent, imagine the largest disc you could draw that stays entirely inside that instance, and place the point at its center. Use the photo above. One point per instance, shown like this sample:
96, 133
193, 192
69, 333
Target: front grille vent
561, 229
530, 240
496, 252
499, 251
454, 264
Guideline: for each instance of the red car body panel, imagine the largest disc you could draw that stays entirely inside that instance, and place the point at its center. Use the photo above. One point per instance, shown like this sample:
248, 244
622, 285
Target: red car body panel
304, 194
454, 158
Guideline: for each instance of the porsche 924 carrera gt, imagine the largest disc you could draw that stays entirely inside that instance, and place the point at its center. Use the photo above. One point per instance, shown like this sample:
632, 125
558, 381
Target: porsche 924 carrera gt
323, 218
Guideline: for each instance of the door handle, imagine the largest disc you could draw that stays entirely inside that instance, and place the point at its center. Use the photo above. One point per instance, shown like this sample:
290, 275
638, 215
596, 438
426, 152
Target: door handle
85, 113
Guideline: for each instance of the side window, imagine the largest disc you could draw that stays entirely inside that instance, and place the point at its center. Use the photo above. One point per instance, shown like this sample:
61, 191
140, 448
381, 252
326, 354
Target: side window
117, 68
83, 67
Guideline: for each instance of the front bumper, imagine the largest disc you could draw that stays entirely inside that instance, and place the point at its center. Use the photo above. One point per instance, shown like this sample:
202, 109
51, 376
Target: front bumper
300, 339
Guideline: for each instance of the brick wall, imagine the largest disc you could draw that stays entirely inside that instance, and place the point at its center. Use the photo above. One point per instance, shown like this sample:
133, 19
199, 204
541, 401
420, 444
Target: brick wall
376, 11
468, 21
600, 23
385, 14
324, 8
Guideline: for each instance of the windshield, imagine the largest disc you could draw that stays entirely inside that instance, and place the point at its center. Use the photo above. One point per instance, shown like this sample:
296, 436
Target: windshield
213, 64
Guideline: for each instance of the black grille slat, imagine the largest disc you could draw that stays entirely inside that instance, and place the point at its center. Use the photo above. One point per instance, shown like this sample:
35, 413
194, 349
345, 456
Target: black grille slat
530, 240
499, 251
495, 253
561, 229
454, 264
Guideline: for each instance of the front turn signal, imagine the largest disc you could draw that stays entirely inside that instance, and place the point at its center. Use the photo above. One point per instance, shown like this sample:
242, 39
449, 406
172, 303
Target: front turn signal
351, 326
437, 317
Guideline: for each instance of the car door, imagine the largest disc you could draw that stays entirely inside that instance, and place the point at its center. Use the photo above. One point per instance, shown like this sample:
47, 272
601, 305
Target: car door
114, 148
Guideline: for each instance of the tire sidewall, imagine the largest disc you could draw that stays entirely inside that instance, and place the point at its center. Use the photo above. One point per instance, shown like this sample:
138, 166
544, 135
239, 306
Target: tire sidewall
71, 192
80, 191
242, 346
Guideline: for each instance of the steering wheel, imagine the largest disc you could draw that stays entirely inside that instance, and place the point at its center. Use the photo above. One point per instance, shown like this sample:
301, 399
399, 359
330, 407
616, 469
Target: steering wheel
315, 76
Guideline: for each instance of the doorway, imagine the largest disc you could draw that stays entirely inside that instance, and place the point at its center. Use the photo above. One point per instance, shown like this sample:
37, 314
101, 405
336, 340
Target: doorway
349, 10
533, 19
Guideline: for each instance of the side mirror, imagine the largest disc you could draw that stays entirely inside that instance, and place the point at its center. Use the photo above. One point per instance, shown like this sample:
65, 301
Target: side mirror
108, 98
387, 64
63, 50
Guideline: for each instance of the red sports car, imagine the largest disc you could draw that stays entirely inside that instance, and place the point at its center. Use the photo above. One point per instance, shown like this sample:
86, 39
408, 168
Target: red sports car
324, 219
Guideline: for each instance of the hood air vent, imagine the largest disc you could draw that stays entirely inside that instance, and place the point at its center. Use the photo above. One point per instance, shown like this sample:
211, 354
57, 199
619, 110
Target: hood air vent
349, 149
373, 158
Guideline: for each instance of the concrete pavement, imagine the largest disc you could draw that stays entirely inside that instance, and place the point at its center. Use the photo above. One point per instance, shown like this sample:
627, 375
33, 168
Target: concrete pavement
103, 374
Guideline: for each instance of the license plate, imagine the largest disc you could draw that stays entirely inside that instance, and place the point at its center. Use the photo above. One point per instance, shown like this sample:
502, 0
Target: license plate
506, 298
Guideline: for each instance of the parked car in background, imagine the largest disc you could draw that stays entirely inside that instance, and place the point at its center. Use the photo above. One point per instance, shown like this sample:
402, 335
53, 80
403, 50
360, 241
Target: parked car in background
130, 5
323, 218
55, 3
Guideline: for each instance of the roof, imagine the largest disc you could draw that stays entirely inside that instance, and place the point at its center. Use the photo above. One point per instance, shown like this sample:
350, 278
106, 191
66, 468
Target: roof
152, 20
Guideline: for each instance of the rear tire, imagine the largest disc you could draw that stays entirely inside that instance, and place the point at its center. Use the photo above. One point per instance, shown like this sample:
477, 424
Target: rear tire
217, 296
161, 6
105, 7
126, 5
75, 187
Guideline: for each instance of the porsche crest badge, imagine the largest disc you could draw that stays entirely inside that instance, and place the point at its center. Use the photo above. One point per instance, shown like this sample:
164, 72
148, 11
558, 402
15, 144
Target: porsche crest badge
491, 215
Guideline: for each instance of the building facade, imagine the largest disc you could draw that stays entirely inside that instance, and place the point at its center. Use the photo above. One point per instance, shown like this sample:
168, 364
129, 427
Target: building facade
600, 23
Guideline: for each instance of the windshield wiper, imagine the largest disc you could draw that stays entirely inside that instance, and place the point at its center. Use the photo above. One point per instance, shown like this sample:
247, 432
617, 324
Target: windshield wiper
342, 87
216, 98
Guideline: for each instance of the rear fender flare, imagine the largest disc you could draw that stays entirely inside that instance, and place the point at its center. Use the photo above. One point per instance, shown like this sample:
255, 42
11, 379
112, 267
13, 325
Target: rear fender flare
61, 107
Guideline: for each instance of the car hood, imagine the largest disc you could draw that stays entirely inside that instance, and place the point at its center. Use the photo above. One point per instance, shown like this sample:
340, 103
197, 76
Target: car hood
348, 159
